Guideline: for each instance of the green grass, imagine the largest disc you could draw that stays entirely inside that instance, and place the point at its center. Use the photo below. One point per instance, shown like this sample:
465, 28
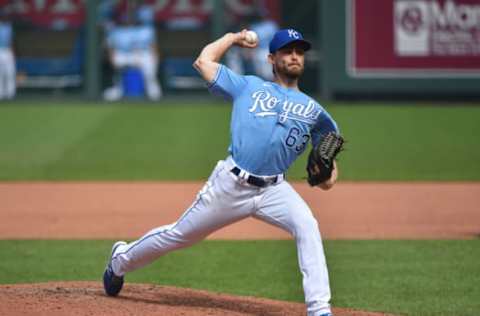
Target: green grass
410, 142
175, 141
403, 277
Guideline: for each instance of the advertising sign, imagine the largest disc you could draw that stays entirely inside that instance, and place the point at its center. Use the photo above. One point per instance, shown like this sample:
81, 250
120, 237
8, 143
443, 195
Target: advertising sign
413, 38
46, 13
71, 13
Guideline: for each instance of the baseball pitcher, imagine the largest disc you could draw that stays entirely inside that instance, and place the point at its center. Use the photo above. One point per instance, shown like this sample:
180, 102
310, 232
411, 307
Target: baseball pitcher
271, 125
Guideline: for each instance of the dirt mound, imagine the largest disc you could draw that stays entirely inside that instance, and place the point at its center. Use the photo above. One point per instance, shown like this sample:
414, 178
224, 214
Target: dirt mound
88, 298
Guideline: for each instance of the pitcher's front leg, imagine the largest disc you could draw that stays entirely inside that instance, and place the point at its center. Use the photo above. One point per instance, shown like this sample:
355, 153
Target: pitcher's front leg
282, 206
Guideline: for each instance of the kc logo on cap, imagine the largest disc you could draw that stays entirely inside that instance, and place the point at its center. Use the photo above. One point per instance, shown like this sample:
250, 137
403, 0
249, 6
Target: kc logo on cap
293, 33
285, 37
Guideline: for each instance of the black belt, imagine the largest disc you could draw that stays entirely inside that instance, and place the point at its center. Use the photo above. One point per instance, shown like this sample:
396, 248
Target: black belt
256, 181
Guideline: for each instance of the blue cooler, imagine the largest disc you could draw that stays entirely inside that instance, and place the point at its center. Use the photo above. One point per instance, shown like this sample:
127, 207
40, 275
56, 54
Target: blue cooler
132, 82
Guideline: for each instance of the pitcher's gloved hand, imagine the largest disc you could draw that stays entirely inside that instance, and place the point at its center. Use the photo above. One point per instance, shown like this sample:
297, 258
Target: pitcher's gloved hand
321, 157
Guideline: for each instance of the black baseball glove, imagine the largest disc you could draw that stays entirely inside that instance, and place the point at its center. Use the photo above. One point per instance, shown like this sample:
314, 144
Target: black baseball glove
321, 157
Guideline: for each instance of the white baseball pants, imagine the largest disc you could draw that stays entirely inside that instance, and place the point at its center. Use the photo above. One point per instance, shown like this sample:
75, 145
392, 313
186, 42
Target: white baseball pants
7, 74
225, 199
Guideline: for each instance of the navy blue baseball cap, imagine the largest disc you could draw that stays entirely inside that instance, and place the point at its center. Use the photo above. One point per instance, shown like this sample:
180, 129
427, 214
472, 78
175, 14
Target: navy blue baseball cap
285, 37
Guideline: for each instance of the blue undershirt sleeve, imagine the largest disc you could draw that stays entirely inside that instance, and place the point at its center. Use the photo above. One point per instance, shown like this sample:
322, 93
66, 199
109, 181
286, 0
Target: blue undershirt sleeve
324, 125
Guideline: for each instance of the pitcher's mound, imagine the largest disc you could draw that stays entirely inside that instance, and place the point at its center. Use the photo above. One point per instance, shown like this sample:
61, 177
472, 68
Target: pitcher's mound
88, 298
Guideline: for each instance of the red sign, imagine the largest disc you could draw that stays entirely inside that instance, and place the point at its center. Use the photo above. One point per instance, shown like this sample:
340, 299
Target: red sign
413, 38
71, 13
47, 13
202, 9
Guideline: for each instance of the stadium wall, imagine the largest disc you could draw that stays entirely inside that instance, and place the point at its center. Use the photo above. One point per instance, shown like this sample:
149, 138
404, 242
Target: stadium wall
367, 50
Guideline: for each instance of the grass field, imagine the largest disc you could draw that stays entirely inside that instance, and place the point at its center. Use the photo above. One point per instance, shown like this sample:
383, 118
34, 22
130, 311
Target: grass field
177, 141
405, 277
182, 141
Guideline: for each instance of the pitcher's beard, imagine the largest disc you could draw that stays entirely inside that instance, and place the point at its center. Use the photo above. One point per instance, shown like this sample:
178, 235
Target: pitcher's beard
291, 74
294, 75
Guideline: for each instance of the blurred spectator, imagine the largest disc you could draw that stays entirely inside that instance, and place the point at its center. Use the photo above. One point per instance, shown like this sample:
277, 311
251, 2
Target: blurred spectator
7, 59
255, 60
265, 29
132, 45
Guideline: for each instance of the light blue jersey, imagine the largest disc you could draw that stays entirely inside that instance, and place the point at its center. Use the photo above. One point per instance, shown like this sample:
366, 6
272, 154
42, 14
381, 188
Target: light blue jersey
5, 35
121, 38
271, 125
129, 38
144, 37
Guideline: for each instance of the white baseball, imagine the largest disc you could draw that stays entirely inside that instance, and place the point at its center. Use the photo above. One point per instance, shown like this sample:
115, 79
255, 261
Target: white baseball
251, 37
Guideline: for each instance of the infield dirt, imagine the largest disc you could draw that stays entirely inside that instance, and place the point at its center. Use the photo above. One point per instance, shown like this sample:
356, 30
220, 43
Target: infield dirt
56, 210
87, 298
